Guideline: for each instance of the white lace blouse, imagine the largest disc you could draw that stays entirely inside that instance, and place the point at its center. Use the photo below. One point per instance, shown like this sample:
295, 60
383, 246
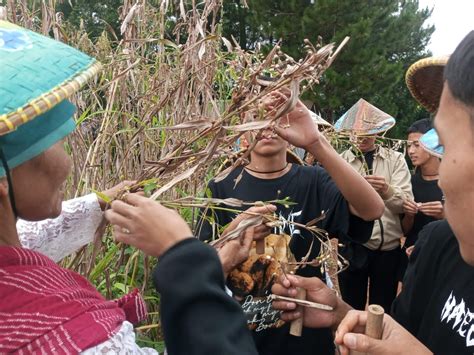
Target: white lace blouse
64, 235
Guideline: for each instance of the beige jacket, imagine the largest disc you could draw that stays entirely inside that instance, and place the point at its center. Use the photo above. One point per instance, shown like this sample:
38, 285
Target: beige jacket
391, 165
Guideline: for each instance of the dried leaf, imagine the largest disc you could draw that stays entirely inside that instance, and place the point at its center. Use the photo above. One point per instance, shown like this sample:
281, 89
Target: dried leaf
250, 126
174, 181
197, 124
202, 50
182, 10
235, 233
227, 44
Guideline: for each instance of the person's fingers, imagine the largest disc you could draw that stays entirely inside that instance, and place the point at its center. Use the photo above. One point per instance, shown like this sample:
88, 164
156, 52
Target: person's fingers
361, 343
290, 316
284, 305
308, 283
246, 241
433, 204
117, 218
121, 236
283, 290
254, 210
124, 208
283, 280
136, 199
411, 203
281, 131
352, 321
261, 232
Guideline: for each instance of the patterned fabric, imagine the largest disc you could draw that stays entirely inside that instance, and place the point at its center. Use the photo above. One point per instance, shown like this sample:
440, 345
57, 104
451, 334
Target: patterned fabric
48, 309
62, 236
122, 343
364, 119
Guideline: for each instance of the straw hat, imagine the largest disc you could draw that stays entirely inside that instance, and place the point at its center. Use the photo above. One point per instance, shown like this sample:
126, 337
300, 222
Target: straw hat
364, 119
319, 121
37, 74
425, 81
430, 142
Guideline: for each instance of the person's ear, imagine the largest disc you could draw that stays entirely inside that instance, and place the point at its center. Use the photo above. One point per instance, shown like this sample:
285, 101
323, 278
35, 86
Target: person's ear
3, 187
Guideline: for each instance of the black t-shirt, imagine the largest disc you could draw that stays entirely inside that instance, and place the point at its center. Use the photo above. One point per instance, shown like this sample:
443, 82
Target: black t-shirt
437, 301
313, 191
423, 191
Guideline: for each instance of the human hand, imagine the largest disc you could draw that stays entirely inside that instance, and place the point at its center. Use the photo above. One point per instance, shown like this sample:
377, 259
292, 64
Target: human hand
260, 231
378, 183
235, 251
433, 209
316, 291
395, 338
409, 250
297, 127
113, 192
146, 225
410, 207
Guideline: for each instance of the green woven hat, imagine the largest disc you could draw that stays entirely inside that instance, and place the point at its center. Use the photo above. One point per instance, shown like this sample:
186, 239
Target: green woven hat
38, 74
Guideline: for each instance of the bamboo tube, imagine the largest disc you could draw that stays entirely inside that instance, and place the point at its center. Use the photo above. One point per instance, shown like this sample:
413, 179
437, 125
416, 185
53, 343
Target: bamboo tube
296, 327
374, 325
260, 246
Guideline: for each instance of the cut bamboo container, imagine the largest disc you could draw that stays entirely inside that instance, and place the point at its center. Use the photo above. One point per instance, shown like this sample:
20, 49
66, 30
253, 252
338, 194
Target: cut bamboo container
260, 246
374, 325
296, 327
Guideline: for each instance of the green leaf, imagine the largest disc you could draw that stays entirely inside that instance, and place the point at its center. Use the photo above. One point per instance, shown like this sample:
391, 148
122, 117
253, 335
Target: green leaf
102, 196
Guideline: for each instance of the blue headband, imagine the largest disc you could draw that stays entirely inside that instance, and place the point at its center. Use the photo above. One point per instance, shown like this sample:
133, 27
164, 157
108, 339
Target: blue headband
34, 137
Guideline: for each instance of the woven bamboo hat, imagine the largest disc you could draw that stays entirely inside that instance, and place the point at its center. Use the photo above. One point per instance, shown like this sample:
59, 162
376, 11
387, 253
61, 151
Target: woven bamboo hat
424, 79
430, 142
37, 74
364, 119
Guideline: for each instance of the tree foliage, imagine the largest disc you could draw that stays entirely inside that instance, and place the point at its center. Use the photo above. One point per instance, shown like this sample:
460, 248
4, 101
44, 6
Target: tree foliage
386, 37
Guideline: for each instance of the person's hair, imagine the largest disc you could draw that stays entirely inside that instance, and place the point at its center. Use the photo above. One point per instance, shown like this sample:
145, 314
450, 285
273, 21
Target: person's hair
459, 72
420, 126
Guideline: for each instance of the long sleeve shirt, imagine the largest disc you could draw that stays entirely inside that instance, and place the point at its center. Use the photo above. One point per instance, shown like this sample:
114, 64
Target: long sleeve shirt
393, 167
197, 315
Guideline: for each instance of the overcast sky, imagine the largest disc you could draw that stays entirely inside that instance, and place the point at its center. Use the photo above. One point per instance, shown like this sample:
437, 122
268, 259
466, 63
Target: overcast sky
453, 19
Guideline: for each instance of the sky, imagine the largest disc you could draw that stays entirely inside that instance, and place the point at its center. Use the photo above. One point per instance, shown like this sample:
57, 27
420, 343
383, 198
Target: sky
453, 20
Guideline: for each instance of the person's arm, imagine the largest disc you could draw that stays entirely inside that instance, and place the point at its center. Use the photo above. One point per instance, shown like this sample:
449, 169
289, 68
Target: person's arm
197, 315
299, 130
363, 200
62, 236
316, 291
399, 189
80, 220
395, 339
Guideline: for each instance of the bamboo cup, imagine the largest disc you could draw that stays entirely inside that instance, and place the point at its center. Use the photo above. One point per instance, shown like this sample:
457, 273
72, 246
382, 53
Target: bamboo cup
374, 326
260, 246
296, 327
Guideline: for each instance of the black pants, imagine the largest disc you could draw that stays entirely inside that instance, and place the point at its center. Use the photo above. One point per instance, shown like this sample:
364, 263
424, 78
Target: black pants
380, 273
